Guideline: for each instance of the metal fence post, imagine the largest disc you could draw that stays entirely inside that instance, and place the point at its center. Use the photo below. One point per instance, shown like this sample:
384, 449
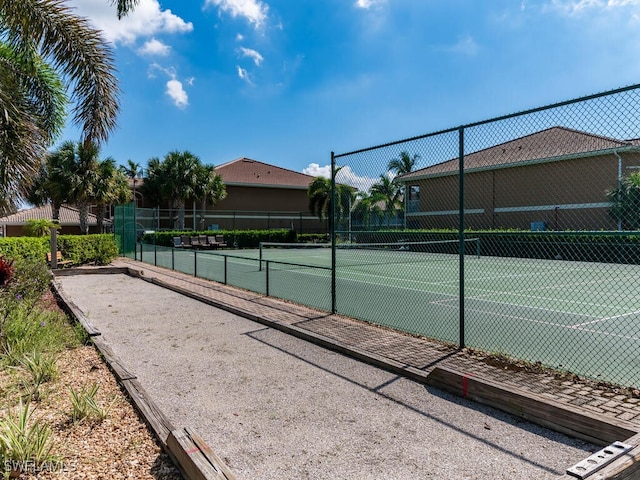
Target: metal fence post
195, 262
267, 278
461, 231
332, 232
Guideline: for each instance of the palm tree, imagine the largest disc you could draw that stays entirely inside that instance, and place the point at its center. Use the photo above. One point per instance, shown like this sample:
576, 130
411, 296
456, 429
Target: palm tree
625, 202
319, 193
211, 189
73, 175
125, 6
389, 191
403, 165
133, 171
181, 181
111, 188
33, 30
367, 209
34, 104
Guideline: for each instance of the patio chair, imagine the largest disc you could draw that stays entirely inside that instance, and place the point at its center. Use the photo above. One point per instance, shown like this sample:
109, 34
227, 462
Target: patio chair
220, 241
195, 241
186, 241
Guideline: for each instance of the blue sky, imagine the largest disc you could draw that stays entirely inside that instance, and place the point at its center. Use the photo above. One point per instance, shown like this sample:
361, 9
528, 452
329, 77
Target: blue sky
288, 81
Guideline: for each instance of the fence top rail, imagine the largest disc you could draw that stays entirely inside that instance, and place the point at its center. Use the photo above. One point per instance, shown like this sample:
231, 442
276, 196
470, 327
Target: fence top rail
491, 120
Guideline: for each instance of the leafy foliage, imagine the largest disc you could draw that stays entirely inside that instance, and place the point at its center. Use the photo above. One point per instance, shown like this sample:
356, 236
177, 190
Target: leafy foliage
6, 271
625, 202
85, 405
24, 440
40, 227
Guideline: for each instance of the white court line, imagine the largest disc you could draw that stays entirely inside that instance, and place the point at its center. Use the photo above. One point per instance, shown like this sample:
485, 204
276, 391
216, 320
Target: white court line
530, 307
559, 325
604, 319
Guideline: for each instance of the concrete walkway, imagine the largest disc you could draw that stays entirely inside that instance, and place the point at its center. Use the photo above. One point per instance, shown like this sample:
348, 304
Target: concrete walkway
274, 406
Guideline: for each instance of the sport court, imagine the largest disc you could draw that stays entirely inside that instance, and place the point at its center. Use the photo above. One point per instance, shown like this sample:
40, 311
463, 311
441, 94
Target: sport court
540, 308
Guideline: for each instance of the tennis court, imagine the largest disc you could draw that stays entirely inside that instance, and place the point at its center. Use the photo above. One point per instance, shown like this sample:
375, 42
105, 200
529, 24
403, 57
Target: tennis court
570, 315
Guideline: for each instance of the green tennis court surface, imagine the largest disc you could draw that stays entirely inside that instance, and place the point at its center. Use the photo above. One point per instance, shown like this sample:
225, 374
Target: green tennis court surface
578, 316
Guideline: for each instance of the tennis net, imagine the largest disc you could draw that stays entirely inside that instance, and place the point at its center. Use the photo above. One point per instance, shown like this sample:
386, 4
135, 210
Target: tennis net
351, 254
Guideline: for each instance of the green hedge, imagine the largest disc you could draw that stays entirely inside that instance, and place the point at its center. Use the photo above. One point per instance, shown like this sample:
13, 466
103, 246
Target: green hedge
233, 238
80, 249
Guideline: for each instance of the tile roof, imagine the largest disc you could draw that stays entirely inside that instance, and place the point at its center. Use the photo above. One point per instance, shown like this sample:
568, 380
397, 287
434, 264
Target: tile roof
552, 143
245, 171
68, 216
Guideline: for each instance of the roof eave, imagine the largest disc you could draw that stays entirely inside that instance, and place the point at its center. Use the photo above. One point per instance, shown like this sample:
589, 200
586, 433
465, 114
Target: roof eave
573, 156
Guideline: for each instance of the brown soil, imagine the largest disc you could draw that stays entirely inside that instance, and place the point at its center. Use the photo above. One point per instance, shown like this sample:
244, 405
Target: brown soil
121, 446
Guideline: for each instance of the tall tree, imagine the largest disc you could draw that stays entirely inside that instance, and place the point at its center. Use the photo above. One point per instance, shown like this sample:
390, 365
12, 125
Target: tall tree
111, 188
76, 52
152, 189
403, 165
133, 171
34, 100
73, 176
388, 190
367, 209
181, 181
210, 189
176, 179
319, 193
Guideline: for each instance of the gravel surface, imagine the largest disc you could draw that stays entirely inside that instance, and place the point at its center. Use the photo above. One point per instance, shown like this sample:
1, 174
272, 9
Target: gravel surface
273, 406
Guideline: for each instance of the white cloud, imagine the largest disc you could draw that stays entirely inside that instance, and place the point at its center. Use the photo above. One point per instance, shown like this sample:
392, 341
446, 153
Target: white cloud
175, 89
147, 19
252, 54
244, 75
154, 47
315, 170
345, 176
254, 11
575, 7
177, 93
366, 4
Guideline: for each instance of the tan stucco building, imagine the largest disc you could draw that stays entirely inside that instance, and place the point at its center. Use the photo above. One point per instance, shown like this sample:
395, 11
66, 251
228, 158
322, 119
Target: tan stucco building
556, 179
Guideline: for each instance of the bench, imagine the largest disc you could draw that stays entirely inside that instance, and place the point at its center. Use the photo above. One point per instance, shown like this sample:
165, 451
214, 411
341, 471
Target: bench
59, 261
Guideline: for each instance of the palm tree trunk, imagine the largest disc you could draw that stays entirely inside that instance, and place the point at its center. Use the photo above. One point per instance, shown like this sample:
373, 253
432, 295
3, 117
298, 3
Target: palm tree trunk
180, 219
83, 209
102, 213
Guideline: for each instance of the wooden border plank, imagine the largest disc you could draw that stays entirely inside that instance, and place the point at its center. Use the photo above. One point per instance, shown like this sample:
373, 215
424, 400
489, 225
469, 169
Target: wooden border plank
211, 456
155, 418
72, 309
118, 368
190, 459
543, 411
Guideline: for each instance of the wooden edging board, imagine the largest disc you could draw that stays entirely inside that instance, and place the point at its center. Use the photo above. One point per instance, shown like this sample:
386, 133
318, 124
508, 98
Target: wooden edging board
188, 450
561, 417
196, 459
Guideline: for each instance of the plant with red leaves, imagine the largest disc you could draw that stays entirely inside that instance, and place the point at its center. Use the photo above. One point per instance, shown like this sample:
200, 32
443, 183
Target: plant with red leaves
6, 271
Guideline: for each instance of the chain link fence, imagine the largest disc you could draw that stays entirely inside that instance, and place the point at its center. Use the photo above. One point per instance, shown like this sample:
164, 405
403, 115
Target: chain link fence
517, 236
